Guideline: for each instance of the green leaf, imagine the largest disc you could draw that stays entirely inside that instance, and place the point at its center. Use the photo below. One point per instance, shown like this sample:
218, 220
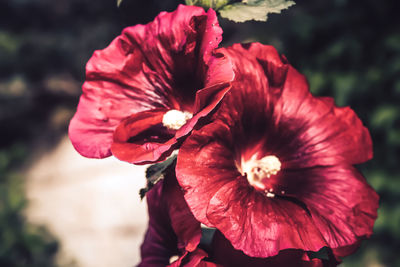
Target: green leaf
155, 173
254, 9
214, 4
322, 254
207, 235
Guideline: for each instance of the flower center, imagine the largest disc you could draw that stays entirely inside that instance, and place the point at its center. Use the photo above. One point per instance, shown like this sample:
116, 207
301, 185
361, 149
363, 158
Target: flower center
257, 170
175, 119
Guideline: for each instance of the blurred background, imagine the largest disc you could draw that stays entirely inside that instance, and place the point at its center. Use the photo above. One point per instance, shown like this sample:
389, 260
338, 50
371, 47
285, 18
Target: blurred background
59, 209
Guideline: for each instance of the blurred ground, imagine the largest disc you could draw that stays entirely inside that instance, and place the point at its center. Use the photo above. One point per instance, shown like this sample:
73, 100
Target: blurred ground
91, 206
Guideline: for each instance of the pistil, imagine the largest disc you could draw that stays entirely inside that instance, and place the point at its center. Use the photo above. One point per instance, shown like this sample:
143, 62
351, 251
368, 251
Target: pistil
175, 119
258, 170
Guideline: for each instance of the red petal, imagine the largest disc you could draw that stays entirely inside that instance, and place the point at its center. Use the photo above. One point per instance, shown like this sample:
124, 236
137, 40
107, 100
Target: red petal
160, 241
172, 227
345, 251
323, 134
343, 205
261, 226
273, 66
142, 138
193, 259
224, 254
203, 167
158, 65
184, 224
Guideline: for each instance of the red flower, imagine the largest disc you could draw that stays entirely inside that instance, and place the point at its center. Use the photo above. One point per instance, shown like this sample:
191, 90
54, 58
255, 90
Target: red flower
274, 169
174, 231
150, 87
172, 228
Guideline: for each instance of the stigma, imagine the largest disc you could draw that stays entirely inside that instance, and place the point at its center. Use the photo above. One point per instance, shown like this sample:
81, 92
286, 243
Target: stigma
257, 170
175, 119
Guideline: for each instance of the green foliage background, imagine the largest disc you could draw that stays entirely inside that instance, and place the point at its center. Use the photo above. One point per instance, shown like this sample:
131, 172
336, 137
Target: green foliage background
348, 49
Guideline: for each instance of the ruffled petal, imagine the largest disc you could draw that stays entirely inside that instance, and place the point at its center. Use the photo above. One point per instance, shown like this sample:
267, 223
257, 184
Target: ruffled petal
159, 65
172, 228
160, 241
261, 226
273, 65
225, 254
141, 138
322, 134
203, 166
186, 227
342, 204
194, 259
304, 130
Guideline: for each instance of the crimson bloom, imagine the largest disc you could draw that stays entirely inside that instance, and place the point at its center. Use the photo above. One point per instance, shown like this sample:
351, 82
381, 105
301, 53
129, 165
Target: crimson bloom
274, 169
151, 86
173, 231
